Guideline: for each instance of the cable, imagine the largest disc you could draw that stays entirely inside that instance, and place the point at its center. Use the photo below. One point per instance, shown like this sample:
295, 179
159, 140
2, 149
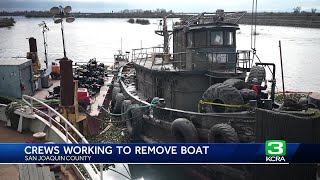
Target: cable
127, 170
152, 104
85, 111
120, 173
252, 15
110, 114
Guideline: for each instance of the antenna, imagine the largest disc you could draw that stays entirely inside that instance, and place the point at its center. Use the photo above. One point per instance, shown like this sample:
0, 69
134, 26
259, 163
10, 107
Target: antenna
44, 33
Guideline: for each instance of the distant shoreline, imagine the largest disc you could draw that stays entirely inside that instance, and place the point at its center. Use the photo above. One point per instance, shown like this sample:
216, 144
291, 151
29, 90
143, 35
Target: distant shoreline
6, 22
309, 20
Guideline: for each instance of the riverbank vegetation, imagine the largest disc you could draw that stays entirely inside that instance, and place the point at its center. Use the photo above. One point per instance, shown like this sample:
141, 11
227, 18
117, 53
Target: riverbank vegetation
139, 21
296, 18
142, 21
7, 22
131, 20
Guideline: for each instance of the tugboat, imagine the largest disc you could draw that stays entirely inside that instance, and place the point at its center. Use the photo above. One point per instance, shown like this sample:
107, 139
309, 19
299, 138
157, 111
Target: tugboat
201, 91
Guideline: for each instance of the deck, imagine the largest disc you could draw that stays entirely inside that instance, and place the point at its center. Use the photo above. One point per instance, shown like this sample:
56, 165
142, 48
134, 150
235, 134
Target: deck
10, 171
27, 172
93, 113
43, 93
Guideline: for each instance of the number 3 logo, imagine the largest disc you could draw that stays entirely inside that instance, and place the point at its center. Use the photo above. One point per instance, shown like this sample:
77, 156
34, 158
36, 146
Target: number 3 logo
275, 148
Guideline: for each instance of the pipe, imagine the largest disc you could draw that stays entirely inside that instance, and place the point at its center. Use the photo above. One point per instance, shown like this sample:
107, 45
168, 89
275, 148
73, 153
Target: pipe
284, 95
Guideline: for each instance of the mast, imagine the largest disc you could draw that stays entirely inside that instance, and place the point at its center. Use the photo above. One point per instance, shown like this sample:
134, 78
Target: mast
44, 30
165, 37
165, 33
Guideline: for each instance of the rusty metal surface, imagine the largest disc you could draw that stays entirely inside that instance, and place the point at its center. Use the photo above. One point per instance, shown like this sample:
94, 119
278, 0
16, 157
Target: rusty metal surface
66, 83
289, 127
33, 44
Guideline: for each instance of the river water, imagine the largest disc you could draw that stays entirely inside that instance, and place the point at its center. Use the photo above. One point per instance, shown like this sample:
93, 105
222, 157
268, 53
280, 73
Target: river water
101, 38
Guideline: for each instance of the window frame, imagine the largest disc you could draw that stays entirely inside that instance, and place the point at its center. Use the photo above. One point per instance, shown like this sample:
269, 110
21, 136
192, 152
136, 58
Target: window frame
223, 38
205, 39
233, 38
192, 39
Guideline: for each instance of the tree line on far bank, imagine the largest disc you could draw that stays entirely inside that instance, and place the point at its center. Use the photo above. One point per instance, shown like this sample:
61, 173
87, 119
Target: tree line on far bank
158, 13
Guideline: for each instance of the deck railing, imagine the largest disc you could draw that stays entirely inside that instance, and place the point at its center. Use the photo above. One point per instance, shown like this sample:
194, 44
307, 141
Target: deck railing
69, 137
233, 61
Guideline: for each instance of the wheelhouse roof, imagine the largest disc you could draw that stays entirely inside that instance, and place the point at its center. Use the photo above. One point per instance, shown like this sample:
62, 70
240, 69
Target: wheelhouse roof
219, 19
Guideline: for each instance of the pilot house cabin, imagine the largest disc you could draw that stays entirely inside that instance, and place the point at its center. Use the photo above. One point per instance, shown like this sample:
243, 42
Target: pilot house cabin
204, 53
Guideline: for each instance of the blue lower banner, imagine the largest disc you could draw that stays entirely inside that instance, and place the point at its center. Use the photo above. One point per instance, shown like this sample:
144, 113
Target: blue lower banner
273, 151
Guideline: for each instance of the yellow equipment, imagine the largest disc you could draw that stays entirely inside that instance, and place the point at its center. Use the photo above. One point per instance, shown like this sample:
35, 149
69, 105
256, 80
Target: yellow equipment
71, 113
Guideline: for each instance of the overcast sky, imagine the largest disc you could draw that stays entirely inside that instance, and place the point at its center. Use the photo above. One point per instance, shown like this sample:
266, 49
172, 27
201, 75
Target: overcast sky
175, 5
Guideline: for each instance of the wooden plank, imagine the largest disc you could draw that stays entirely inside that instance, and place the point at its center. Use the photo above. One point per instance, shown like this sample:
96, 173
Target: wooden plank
52, 175
23, 172
40, 173
46, 172
33, 173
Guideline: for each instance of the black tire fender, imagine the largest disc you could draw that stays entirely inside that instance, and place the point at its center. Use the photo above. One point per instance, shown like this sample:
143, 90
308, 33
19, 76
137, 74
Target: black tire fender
134, 120
184, 131
222, 133
237, 83
117, 106
248, 94
256, 72
223, 94
124, 109
115, 91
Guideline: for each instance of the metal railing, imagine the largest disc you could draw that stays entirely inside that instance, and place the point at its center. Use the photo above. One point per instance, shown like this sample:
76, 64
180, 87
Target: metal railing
244, 59
69, 138
233, 61
210, 17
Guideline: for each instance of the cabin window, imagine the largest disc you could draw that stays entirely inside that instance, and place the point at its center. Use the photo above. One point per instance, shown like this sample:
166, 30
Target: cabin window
216, 38
200, 39
229, 38
189, 39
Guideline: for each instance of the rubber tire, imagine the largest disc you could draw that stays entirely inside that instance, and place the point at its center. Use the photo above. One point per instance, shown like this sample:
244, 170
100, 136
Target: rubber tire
256, 72
184, 131
134, 120
115, 91
225, 131
117, 106
124, 108
222, 93
237, 83
248, 94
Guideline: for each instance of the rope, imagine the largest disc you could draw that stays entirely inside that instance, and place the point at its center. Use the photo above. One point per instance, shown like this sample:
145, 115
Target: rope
153, 103
220, 104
